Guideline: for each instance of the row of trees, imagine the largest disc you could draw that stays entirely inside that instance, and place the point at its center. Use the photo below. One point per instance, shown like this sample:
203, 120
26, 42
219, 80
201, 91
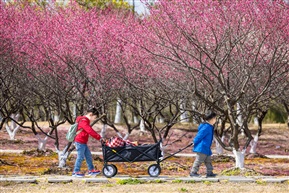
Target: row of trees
184, 58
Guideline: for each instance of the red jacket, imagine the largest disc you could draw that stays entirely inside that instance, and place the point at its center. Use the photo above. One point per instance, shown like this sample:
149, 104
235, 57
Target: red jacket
84, 124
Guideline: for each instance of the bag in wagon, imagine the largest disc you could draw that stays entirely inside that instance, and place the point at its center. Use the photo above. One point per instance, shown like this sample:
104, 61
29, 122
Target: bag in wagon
115, 142
118, 142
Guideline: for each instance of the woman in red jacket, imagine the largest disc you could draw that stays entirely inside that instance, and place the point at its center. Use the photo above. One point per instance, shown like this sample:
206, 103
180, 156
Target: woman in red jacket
84, 131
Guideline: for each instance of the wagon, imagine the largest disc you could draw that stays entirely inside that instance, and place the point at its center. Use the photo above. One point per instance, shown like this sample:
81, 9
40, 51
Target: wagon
141, 153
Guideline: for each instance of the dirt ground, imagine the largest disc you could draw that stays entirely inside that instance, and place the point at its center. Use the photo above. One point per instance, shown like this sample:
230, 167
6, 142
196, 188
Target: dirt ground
208, 187
274, 140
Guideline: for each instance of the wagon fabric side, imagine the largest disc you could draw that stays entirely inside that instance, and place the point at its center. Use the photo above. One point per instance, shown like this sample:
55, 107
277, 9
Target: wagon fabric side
148, 152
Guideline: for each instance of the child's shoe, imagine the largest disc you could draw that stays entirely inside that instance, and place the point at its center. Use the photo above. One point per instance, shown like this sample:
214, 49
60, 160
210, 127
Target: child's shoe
77, 174
211, 175
194, 174
93, 172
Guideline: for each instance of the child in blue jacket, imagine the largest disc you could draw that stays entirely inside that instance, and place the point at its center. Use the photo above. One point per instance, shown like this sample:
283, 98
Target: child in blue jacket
202, 145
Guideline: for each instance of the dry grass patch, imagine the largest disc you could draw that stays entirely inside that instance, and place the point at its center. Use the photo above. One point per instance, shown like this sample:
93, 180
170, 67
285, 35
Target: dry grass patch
112, 187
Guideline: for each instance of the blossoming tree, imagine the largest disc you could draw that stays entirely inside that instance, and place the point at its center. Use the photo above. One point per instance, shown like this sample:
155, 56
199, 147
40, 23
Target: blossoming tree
231, 55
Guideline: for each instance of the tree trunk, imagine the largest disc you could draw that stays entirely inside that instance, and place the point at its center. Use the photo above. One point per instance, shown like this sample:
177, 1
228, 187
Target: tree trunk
239, 115
256, 121
117, 118
219, 148
161, 119
103, 131
126, 136
13, 128
12, 131
259, 119
253, 144
63, 155
56, 117
135, 119
142, 125
288, 120
233, 141
287, 110
240, 158
194, 108
74, 111
41, 142
184, 114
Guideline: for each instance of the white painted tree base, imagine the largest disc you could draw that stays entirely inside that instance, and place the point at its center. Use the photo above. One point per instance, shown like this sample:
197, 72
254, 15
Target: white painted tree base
142, 125
118, 113
219, 148
62, 158
41, 142
103, 131
253, 144
240, 158
13, 128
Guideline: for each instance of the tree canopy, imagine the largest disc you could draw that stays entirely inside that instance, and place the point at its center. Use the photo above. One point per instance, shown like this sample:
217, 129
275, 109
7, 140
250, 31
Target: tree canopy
186, 56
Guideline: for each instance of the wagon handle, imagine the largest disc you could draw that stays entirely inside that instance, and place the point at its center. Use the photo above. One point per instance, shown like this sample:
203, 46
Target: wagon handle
171, 155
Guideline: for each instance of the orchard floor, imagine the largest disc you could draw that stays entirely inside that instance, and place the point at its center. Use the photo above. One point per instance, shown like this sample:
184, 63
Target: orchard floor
171, 187
273, 141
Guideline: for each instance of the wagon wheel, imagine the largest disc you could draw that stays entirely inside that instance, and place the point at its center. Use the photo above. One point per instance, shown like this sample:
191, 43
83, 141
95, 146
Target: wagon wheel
109, 170
154, 170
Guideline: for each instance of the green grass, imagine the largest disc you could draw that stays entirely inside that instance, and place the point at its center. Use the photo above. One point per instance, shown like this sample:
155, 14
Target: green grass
177, 181
129, 181
239, 172
184, 190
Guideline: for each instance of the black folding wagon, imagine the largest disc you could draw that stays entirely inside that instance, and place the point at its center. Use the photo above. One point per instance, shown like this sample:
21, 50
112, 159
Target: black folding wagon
147, 152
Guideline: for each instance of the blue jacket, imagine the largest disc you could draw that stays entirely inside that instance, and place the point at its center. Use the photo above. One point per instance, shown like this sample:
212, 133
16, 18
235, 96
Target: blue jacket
204, 139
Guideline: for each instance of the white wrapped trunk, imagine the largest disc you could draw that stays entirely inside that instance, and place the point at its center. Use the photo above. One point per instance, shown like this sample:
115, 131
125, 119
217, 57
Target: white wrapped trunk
13, 128
123, 137
117, 118
103, 130
219, 148
56, 118
254, 143
256, 122
194, 108
161, 119
239, 116
142, 125
184, 114
135, 119
74, 111
41, 142
240, 158
62, 158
